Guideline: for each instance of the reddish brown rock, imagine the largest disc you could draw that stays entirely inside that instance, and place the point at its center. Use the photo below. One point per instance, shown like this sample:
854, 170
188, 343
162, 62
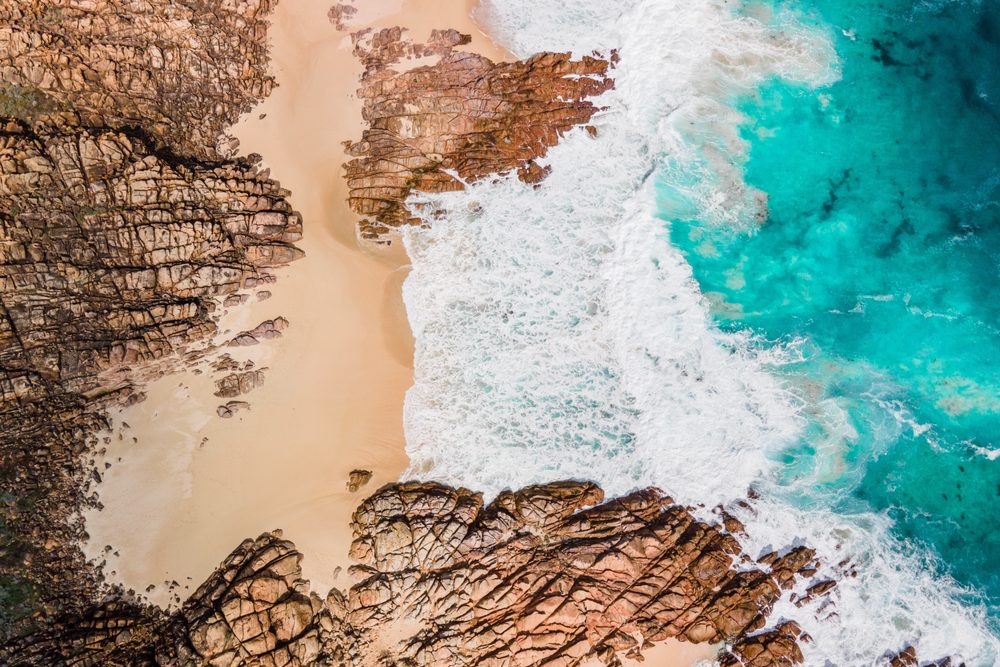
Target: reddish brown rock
255, 609
775, 648
905, 658
546, 573
464, 114
549, 575
121, 228
264, 331
183, 72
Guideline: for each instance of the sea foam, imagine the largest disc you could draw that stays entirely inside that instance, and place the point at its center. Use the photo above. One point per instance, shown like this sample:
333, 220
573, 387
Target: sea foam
560, 335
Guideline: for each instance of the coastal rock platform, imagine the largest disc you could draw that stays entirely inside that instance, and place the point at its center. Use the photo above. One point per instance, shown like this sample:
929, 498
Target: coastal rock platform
551, 574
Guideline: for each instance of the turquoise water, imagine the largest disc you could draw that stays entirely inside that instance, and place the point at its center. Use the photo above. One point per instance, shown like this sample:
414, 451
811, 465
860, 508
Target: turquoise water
881, 254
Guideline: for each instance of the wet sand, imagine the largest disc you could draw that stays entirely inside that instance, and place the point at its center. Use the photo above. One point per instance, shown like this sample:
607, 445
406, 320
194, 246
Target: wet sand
193, 486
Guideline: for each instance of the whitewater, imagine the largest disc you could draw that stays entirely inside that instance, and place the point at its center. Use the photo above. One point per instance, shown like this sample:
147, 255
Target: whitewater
559, 333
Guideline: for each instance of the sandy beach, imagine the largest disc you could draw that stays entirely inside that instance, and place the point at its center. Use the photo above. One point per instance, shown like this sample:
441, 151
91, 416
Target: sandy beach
185, 487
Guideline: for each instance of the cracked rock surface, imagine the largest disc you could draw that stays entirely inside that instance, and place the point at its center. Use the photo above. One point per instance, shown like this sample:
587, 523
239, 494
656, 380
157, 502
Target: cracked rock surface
464, 115
123, 226
548, 575
181, 71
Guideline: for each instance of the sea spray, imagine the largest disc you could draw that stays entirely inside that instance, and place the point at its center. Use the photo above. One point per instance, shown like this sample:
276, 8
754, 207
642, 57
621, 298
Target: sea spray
559, 334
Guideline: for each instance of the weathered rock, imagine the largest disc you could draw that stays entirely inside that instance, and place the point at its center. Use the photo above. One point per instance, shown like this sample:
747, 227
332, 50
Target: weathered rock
774, 648
237, 384
110, 254
121, 226
231, 408
109, 251
264, 331
340, 15
905, 658
464, 114
357, 479
255, 609
549, 575
234, 300
183, 72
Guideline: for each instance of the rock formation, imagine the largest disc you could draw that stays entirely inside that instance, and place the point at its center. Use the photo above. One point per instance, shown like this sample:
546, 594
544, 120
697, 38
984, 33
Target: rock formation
121, 224
357, 479
463, 115
237, 384
182, 72
266, 330
549, 575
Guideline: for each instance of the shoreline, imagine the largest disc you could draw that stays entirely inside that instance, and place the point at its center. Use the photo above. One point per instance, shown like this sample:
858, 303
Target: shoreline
192, 485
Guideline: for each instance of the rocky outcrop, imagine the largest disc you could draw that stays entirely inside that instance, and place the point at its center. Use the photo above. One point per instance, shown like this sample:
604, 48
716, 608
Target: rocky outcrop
255, 607
548, 572
340, 15
112, 255
122, 228
110, 249
182, 72
230, 409
266, 330
905, 658
774, 648
463, 116
549, 575
237, 384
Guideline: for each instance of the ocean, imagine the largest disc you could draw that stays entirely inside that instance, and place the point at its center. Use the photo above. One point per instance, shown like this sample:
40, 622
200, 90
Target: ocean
774, 268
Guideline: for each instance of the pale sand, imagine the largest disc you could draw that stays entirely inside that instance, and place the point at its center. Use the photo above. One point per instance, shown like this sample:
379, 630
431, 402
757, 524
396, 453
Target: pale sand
670, 653
332, 400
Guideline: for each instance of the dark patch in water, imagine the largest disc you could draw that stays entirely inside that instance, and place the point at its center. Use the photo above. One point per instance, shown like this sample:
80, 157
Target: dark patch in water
986, 27
883, 56
972, 98
833, 196
891, 247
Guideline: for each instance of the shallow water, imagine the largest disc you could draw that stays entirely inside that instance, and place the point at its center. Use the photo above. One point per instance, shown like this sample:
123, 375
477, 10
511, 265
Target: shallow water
882, 252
